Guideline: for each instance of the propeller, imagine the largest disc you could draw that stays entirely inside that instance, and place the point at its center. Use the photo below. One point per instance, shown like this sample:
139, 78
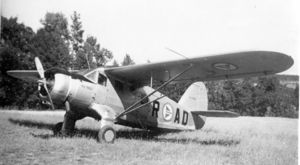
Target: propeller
42, 80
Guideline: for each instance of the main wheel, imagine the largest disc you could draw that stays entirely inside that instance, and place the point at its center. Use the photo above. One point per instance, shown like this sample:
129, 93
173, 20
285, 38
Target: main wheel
57, 128
107, 135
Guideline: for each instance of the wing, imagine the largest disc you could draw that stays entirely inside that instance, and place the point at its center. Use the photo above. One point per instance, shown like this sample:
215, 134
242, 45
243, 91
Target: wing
33, 75
27, 75
217, 67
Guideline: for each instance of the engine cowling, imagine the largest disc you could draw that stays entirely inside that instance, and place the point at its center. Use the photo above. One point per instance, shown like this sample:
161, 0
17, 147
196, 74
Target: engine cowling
59, 88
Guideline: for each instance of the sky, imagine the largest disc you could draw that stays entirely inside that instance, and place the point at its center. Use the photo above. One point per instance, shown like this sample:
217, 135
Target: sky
145, 28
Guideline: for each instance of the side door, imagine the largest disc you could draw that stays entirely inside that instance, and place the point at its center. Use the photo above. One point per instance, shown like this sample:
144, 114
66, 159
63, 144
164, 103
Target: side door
101, 91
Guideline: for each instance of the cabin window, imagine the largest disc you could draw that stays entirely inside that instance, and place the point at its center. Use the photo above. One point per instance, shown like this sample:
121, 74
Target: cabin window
92, 76
102, 80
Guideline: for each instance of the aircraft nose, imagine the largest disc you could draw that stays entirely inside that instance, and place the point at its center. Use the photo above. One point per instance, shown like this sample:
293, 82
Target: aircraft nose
50, 84
43, 92
58, 86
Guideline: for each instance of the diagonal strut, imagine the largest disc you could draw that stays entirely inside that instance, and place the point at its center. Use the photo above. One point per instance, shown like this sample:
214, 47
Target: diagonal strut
163, 85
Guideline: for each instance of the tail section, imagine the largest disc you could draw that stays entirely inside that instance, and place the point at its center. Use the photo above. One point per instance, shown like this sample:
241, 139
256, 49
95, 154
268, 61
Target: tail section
195, 101
215, 113
195, 97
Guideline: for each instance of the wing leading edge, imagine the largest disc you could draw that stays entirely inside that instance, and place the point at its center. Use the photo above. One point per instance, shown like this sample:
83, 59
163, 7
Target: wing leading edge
216, 67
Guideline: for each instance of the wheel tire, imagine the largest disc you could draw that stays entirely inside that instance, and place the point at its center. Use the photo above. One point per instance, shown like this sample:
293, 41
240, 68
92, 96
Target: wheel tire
57, 128
107, 135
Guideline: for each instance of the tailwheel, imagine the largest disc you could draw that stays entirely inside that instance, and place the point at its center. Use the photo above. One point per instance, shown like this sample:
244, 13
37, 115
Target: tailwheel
107, 134
57, 128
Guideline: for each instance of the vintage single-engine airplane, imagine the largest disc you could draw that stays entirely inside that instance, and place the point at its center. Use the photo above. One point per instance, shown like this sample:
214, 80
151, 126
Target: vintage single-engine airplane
124, 95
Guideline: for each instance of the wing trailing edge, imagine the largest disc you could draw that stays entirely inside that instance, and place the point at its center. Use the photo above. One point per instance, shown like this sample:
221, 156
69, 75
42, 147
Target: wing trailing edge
216, 113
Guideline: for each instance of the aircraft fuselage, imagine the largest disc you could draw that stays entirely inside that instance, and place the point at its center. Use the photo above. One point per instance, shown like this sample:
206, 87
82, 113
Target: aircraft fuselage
161, 114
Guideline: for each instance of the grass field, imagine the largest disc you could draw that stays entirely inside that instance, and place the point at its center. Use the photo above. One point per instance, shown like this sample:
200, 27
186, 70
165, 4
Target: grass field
26, 138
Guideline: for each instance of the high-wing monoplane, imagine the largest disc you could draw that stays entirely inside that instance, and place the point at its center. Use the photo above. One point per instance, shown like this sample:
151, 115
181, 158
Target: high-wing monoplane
124, 95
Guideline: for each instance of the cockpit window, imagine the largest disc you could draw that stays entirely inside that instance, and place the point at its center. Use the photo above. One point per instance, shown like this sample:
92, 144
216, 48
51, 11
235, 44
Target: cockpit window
97, 77
102, 80
92, 76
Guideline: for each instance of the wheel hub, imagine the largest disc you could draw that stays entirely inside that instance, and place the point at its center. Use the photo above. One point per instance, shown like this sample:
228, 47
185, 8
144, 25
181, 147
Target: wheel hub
109, 135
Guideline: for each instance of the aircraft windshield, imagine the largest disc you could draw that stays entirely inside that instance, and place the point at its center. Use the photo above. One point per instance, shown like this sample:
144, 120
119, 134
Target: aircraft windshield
92, 76
96, 77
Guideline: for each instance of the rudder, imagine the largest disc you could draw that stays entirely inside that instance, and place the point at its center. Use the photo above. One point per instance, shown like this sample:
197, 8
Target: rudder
195, 97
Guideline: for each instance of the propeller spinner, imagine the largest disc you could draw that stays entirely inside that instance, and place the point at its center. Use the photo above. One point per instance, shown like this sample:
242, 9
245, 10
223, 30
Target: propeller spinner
42, 80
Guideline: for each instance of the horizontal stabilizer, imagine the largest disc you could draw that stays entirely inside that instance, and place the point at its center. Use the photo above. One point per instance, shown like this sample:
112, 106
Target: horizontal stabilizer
216, 113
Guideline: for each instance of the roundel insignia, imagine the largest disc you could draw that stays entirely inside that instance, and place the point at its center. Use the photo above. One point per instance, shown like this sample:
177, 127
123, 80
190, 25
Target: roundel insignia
225, 66
167, 112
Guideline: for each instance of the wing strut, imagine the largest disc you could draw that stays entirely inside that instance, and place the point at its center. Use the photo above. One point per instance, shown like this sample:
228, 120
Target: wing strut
136, 108
129, 109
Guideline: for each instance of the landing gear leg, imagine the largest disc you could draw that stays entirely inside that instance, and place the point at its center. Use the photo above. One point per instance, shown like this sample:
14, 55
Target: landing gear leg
68, 124
66, 128
57, 128
107, 133
106, 114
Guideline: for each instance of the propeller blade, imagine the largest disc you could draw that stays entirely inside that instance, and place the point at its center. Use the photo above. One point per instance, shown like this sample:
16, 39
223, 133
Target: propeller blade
49, 96
39, 67
41, 71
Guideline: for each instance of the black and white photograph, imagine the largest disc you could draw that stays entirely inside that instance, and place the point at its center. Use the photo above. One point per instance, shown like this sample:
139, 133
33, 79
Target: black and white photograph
149, 82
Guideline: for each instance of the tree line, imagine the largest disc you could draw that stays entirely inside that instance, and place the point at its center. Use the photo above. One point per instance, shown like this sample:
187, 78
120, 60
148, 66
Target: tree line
60, 44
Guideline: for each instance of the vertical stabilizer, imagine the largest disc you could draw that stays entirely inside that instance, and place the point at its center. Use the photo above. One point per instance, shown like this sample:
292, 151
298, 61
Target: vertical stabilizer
195, 97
